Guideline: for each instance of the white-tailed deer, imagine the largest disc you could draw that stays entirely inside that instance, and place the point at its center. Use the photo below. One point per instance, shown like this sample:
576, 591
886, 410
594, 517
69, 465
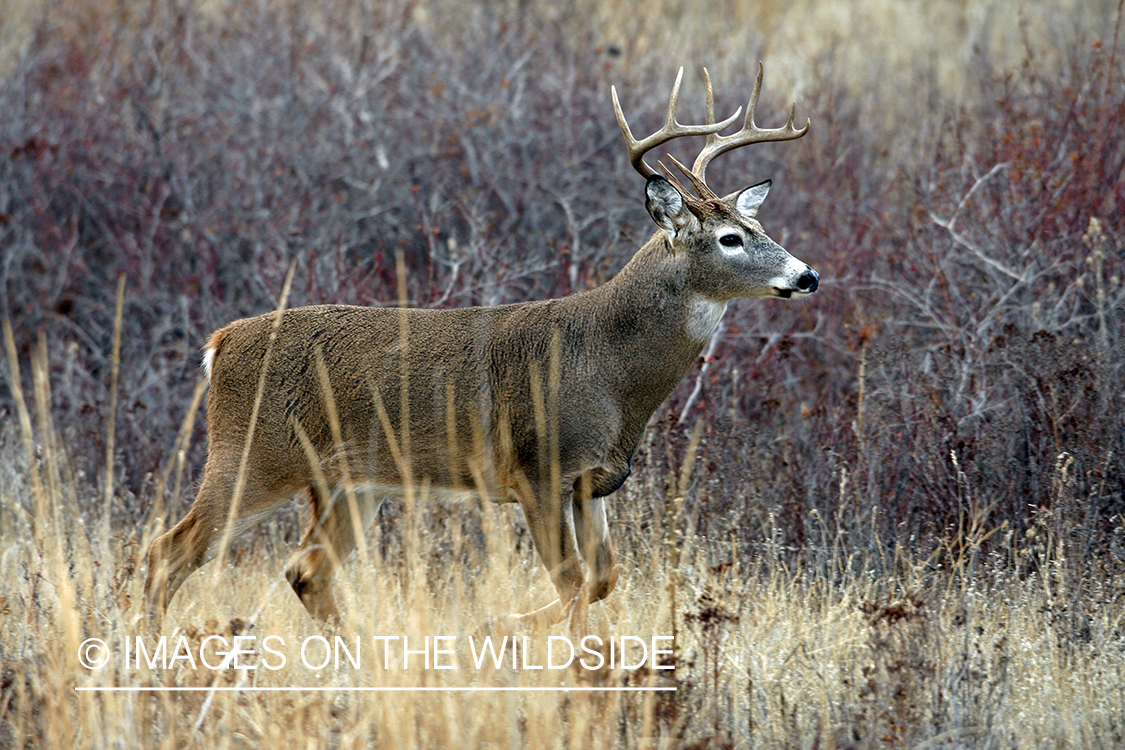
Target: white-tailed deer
538, 402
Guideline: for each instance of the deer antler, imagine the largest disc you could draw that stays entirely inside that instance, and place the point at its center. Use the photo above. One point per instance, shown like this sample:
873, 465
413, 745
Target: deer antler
750, 133
716, 144
672, 129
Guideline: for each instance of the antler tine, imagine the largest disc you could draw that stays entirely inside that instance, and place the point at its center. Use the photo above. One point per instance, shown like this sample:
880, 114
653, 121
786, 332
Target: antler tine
710, 98
671, 177
700, 186
671, 129
750, 133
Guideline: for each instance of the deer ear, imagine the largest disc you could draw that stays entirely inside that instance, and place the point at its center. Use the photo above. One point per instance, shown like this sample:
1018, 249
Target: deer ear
665, 205
748, 201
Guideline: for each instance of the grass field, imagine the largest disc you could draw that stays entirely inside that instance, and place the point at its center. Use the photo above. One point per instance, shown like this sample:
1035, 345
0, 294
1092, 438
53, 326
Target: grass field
892, 515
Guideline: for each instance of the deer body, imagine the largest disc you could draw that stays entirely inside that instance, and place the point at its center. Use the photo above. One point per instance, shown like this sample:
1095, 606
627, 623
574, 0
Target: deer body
539, 402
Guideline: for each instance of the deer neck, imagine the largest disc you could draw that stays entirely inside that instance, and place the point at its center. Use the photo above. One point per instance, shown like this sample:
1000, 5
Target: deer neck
654, 321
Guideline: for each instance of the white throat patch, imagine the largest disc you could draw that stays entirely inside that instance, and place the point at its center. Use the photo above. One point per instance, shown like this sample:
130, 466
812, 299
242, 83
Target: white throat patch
704, 317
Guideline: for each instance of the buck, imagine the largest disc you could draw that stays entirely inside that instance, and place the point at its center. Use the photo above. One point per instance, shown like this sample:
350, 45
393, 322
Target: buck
539, 402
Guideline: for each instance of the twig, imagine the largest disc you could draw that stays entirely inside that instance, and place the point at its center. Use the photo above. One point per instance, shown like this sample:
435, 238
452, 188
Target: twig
707, 358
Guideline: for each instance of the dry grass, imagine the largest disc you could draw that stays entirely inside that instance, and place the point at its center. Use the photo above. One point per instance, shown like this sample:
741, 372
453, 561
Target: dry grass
905, 520
765, 656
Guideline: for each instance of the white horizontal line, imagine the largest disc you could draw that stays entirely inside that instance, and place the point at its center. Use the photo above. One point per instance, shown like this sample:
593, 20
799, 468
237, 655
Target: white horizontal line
229, 689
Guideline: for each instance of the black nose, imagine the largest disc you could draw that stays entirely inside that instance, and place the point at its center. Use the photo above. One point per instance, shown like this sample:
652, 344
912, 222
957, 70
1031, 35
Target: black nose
808, 281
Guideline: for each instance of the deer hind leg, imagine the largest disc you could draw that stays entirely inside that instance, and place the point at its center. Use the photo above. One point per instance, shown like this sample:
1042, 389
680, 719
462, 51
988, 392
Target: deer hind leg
179, 552
592, 531
552, 532
335, 528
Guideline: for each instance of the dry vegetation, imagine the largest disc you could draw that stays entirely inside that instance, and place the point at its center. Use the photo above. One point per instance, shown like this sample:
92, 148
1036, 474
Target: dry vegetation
901, 519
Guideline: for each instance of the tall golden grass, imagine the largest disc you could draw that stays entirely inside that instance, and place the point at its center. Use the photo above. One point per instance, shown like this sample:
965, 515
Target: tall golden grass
998, 637
765, 657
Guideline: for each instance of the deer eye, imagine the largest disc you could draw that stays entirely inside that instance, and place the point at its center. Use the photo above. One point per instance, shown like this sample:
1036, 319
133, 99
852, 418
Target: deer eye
730, 240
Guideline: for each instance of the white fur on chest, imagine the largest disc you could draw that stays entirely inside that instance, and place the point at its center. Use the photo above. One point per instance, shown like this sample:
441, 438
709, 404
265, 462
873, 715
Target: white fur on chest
703, 317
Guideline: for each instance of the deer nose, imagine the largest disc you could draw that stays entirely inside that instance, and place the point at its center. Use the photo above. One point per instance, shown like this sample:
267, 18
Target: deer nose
808, 281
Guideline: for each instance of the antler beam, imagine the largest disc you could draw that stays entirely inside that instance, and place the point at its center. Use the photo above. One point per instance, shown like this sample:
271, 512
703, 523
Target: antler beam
672, 129
750, 133
716, 144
